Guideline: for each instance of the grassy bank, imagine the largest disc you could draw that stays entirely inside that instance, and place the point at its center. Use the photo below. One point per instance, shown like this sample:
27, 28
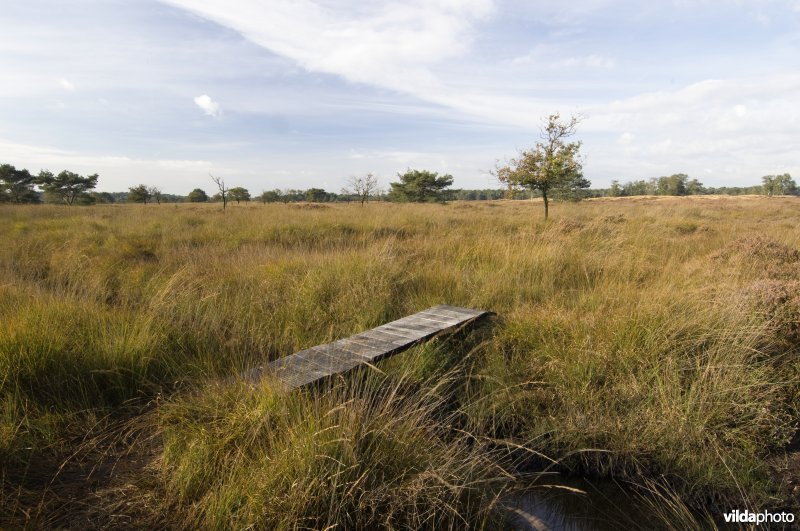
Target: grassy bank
654, 340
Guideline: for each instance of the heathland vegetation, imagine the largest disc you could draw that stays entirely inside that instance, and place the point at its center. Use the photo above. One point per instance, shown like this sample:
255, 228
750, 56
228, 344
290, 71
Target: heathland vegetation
650, 340
519, 175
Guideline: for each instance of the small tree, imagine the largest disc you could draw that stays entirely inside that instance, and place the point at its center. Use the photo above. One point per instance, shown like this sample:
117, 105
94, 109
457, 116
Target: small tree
223, 190
270, 196
316, 195
676, 184
361, 186
239, 194
694, 187
197, 196
553, 166
139, 194
289, 195
421, 186
67, 185
155, 194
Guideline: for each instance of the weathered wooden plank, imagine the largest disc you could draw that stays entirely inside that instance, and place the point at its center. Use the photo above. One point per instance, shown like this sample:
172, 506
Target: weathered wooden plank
413, 323
406, 333
336, 361
300, 379
379, 346
434, 325
416, 321
298, 363
442, 314
425, 329
442, 319
343, 355
365, 351
456, 311
336, 350
384, 336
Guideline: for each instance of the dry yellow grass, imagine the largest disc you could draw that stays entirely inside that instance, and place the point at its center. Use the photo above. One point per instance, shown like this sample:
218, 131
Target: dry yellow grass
653, 330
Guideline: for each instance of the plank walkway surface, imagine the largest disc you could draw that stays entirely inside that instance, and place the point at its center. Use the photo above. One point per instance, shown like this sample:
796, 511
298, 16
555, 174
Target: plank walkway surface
322, 361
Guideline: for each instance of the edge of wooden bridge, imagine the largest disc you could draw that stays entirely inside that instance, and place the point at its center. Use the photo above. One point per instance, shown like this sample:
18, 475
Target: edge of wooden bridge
322, 361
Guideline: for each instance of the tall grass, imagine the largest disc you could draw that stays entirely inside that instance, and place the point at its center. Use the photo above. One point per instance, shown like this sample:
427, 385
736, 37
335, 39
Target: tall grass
660, 333
377, 451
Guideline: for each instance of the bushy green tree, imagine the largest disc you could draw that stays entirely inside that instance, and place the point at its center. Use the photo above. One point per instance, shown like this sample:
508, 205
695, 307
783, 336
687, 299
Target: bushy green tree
779, 185
16, 186
239, 194
66, 186
155, 194
553, 167
197, 196
673, 185
270, 196
316, 195
421, 186
695, 187
139, 194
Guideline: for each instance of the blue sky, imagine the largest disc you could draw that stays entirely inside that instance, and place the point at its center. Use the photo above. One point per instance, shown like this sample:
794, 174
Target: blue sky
302, 93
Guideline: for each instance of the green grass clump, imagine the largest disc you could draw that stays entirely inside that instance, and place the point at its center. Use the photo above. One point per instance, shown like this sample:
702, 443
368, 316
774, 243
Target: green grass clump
377, 453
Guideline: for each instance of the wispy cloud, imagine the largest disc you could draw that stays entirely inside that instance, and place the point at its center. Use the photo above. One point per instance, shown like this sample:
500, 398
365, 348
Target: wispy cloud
393, 45
737, 127
208, 105
382, 43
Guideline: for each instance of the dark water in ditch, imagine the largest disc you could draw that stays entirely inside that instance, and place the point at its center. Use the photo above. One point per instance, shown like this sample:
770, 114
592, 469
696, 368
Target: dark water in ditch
574, 504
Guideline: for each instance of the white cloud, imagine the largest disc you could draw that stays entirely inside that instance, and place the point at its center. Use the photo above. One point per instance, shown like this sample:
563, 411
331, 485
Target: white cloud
391, 44
766, 105
740, 128
66, 84
210, 106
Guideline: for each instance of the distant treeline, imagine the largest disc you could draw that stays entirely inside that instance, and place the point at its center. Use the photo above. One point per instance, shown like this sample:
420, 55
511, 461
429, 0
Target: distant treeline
642, 187
680, 184
21, 186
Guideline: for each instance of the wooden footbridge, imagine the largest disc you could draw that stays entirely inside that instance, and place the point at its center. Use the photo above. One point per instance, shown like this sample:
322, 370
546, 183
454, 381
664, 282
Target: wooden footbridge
316, 363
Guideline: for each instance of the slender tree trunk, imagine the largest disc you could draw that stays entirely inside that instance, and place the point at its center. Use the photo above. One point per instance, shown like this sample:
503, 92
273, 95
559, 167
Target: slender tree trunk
544, 196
